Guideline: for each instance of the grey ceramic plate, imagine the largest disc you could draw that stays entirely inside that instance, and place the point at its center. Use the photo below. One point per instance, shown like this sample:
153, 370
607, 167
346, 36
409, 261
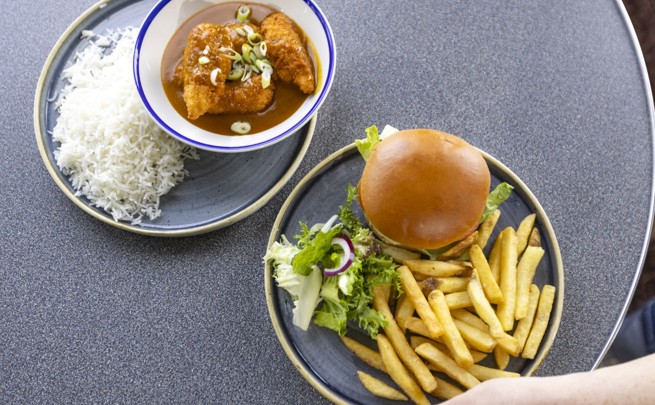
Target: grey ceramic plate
318, 353
221, 188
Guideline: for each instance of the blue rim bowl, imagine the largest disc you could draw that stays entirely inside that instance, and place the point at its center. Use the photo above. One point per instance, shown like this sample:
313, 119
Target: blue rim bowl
155, 33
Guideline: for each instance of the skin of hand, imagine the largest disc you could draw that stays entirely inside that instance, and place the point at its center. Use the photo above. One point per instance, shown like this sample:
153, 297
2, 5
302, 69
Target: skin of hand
627, 383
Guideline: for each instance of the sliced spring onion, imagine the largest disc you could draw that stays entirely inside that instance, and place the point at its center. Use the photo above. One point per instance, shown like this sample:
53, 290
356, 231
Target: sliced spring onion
213, 75
206, 50
203, 60
263, 65
235, 74
241, 32
266, 79
245, 52
254, 38
346, 256
232, 54
243, 13
260, 50
247, 72
240, 127
248, 29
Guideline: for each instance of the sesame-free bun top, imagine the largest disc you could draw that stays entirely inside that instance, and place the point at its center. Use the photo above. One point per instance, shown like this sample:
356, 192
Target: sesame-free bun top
424, 189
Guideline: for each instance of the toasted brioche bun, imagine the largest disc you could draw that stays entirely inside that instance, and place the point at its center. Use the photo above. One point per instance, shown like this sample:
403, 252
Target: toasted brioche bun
424, 189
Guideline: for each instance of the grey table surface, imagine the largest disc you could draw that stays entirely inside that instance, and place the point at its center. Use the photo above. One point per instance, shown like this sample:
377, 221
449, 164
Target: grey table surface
556, 90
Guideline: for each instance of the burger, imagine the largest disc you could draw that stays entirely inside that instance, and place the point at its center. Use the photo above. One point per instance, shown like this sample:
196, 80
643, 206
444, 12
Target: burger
424, 189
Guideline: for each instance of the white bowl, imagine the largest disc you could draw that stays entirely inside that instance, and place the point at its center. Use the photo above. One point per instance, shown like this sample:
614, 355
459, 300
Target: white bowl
155, 33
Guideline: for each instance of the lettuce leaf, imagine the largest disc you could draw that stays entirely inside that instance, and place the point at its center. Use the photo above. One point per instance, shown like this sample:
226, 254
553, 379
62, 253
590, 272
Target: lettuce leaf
495, 198
314, 246
366, 146
346, 214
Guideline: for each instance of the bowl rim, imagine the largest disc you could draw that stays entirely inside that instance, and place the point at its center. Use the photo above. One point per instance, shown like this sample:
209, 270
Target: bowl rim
332, 51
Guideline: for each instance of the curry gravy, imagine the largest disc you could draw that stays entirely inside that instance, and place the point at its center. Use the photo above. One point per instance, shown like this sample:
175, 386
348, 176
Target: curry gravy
286, 100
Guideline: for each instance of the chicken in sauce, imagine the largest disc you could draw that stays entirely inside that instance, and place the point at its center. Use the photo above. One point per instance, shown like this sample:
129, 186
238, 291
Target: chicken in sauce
233, 68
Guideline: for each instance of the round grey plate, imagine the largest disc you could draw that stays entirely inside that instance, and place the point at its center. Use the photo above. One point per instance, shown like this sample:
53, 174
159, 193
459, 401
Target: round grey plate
318, 353
221, 188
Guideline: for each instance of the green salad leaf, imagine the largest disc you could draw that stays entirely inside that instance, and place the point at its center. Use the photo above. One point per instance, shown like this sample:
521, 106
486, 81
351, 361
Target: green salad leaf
366, 146
314, 246
495, 198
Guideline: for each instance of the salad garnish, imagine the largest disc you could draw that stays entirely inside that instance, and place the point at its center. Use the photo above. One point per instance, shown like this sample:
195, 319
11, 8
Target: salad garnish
306, 270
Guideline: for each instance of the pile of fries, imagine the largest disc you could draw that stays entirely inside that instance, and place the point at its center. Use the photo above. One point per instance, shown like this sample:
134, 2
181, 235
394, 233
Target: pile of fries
455, 311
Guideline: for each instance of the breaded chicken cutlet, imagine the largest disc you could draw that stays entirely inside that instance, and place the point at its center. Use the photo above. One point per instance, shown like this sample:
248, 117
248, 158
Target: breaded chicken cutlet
244, 97
201, 58
287, 53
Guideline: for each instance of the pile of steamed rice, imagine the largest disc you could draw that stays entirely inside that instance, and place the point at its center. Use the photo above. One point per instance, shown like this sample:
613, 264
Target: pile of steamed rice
110, 149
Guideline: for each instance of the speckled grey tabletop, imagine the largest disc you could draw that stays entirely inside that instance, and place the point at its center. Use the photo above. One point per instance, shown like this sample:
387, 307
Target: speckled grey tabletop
555, 90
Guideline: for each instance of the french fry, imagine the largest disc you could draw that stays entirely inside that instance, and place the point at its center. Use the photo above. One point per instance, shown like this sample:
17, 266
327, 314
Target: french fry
427, 285
475, 338
364, 353
505, 341
478, 356
540, 322
494, 257
461, 247
470, 318
417, 326
535, 238
414, 294
446, 365
509, 344
446, 390
404, 309
415, 341
399, 374
463, 263
458, 300
444, 284
483, 308
400, 344
486, 228
524, 275
398, 254
489, 284
483, 373
433, 268
380, 388
524, 325
508, 260
501, 357
523, 232
451, 335
452, 284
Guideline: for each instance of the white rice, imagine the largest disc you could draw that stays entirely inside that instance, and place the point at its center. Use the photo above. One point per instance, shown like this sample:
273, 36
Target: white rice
110, 149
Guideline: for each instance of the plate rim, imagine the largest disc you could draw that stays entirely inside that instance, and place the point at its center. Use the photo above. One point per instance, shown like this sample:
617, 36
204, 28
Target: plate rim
315, 380
40, 134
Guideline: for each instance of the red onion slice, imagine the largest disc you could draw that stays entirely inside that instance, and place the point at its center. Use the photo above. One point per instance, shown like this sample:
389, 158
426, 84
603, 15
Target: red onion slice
346, 257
